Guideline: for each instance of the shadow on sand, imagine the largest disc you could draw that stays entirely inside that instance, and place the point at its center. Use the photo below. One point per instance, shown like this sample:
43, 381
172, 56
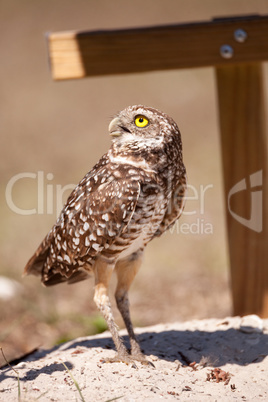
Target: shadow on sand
217, 348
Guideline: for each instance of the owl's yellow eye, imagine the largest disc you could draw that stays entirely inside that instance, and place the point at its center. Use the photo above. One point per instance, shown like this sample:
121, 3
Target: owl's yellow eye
141, 121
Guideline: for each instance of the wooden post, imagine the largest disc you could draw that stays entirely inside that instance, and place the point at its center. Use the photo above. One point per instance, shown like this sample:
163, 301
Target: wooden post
245, 166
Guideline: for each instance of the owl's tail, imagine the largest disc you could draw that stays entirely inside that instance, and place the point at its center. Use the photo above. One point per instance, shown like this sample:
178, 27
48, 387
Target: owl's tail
36, 263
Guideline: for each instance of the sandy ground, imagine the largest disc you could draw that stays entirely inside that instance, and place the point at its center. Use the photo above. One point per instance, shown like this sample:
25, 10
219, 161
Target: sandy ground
197, 360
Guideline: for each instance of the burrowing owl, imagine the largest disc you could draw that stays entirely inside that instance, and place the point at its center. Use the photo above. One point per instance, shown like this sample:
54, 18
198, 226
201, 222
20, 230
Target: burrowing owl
134, 193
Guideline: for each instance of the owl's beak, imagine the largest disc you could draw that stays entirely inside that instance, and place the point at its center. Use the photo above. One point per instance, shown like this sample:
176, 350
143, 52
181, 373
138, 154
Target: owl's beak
114, 128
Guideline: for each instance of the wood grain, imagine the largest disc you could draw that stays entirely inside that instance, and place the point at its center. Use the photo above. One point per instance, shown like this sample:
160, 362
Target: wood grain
244, 152
78, 54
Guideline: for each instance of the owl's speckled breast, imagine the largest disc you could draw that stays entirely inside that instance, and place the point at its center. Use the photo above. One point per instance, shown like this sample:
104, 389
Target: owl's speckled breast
148, 215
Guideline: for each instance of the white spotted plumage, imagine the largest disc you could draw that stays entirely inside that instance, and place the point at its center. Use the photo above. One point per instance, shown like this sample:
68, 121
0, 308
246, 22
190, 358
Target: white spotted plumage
122, 203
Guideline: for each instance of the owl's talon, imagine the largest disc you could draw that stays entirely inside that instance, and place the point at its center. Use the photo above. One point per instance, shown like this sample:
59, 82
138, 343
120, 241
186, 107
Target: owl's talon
142, 359
129, 360
120, 358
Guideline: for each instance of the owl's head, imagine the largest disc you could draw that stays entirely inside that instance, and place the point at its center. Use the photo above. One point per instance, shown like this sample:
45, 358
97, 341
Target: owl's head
143, 126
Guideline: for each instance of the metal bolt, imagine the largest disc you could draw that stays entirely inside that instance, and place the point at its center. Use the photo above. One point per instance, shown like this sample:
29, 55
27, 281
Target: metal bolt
226, 51
240, 35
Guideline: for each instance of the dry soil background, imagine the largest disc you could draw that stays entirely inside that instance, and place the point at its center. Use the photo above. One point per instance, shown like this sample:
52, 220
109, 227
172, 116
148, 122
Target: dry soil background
208, 360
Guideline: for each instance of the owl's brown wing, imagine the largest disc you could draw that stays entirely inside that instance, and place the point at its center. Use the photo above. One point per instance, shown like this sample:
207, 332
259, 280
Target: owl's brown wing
176, 204
94, 215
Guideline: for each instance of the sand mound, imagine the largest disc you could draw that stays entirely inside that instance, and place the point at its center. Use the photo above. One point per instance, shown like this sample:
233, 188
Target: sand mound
196, 360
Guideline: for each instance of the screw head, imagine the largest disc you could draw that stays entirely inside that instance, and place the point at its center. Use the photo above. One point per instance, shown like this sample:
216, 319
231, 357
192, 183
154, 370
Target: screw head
226, 51
240, 35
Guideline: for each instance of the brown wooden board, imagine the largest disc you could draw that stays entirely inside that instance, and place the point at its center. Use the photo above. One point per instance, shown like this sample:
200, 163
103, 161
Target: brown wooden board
78, 54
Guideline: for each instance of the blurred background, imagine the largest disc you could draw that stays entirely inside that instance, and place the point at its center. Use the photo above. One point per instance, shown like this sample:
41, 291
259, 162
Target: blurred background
52, 133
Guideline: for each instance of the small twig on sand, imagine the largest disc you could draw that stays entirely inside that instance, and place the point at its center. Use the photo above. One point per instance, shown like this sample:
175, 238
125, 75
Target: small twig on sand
75, 383
15, 371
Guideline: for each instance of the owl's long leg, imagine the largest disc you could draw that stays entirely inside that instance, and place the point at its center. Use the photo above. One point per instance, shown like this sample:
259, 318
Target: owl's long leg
103, 272
126, 270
